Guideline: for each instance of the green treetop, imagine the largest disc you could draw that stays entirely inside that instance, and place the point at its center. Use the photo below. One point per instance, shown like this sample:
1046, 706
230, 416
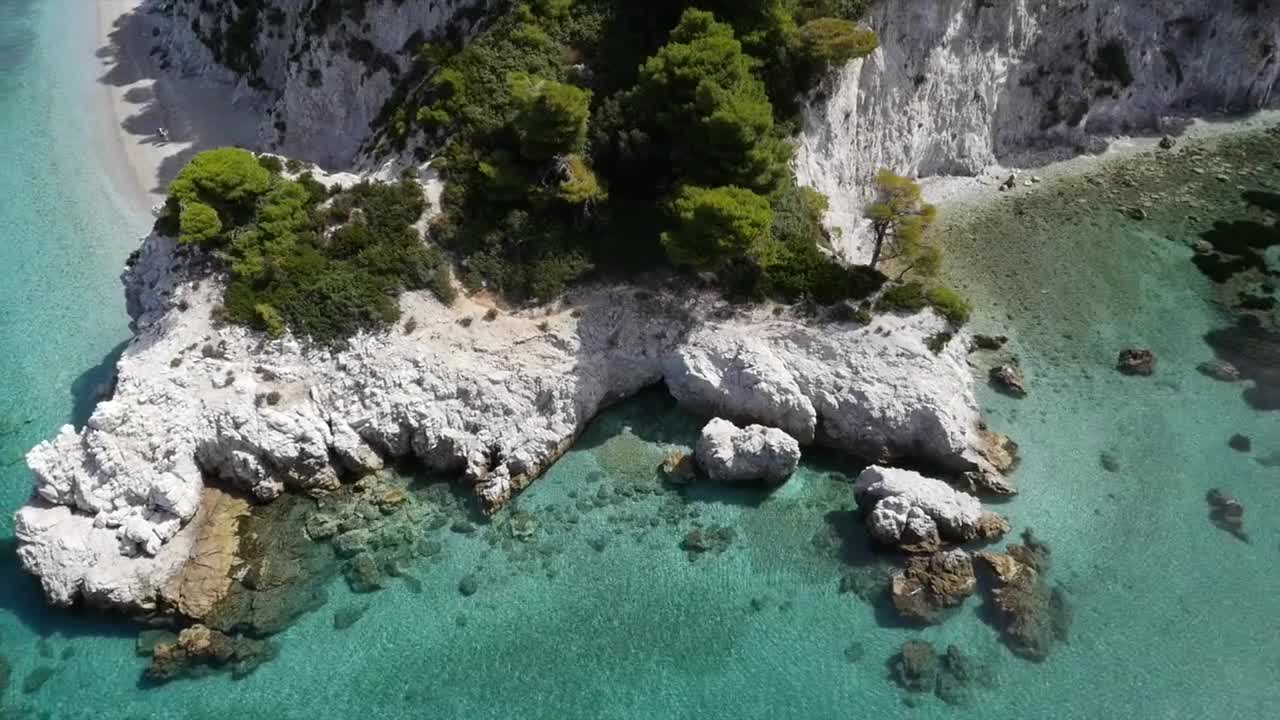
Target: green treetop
700, 91
551, 117
717, 226
899, 216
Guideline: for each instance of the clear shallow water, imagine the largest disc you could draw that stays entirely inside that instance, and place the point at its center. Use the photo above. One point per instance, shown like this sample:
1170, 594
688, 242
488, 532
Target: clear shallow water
608, 617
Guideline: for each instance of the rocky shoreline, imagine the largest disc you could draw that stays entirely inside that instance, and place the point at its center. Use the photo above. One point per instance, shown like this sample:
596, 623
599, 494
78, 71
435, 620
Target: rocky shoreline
493, 397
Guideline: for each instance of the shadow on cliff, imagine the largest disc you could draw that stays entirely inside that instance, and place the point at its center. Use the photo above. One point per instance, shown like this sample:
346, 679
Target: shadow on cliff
94, 385
176, 115
20, 595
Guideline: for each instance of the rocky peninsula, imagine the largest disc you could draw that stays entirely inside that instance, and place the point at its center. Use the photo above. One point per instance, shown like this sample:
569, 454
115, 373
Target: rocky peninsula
122, 512
496, 397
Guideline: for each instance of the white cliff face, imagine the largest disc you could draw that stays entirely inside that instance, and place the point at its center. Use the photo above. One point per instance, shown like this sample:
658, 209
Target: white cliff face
497, 400
959, 85
321, 73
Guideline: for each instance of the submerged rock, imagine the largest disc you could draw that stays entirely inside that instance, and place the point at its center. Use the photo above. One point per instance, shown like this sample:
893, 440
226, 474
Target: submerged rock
715, 539
1032, 617
198, 646
1220, 370
916, 513
1227, 513
36, 679
931, 585
149, 639
731, 454
915, 667
1009, 380
1136, 362
1240, 443
1109, 462
678, 468
990, 342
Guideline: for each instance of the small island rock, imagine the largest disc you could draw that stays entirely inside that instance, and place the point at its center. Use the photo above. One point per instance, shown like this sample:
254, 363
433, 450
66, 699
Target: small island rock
731, 454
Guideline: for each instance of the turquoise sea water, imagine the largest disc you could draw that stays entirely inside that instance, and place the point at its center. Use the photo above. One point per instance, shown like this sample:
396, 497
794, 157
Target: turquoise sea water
602, 614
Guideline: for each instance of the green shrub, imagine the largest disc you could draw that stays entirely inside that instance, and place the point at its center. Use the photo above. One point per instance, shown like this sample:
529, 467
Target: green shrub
950, 304
715, 226
271, 164
285, 272
908, 298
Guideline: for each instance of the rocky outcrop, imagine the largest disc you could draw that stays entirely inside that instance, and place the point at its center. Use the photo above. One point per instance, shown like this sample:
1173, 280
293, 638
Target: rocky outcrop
1032, 616
958, 86
1009, 380
914, 512
755, 453
930, 585
496, 401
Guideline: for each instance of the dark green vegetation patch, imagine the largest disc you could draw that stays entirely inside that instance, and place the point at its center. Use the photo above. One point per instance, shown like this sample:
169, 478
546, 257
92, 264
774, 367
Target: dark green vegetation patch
581, 134
322, 264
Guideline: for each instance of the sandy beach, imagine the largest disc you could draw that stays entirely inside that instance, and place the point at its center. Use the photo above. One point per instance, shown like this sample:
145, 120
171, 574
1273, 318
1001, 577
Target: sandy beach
195, 112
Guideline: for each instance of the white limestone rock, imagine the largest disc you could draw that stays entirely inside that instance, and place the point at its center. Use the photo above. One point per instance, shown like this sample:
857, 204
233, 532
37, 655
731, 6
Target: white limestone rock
906, 504
728, 453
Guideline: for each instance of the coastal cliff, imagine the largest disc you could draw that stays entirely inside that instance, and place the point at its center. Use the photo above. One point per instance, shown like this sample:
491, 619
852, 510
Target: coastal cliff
320, 71
958, 86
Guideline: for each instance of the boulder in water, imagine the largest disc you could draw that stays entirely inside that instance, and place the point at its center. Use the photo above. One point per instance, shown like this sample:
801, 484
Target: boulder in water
756, 453
1009, 380
931, 585
1137, 362
916, 513
200, 645
1032, 617
1227, 513
1240, 443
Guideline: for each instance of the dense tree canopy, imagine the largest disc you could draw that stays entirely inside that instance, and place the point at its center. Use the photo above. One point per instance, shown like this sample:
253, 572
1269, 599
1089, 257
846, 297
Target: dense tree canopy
301, 258
717, 226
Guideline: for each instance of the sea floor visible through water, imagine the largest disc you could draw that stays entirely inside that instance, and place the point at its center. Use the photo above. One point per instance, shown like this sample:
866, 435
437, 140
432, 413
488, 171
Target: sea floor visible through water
603, 611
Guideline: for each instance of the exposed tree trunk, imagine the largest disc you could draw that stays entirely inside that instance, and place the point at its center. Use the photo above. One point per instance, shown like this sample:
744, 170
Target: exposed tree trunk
875, 254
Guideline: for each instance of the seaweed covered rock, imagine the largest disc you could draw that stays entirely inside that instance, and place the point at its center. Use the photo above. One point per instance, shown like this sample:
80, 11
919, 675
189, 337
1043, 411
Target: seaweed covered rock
1032, 616
932, 584
755, 453
916, 513
198, 646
